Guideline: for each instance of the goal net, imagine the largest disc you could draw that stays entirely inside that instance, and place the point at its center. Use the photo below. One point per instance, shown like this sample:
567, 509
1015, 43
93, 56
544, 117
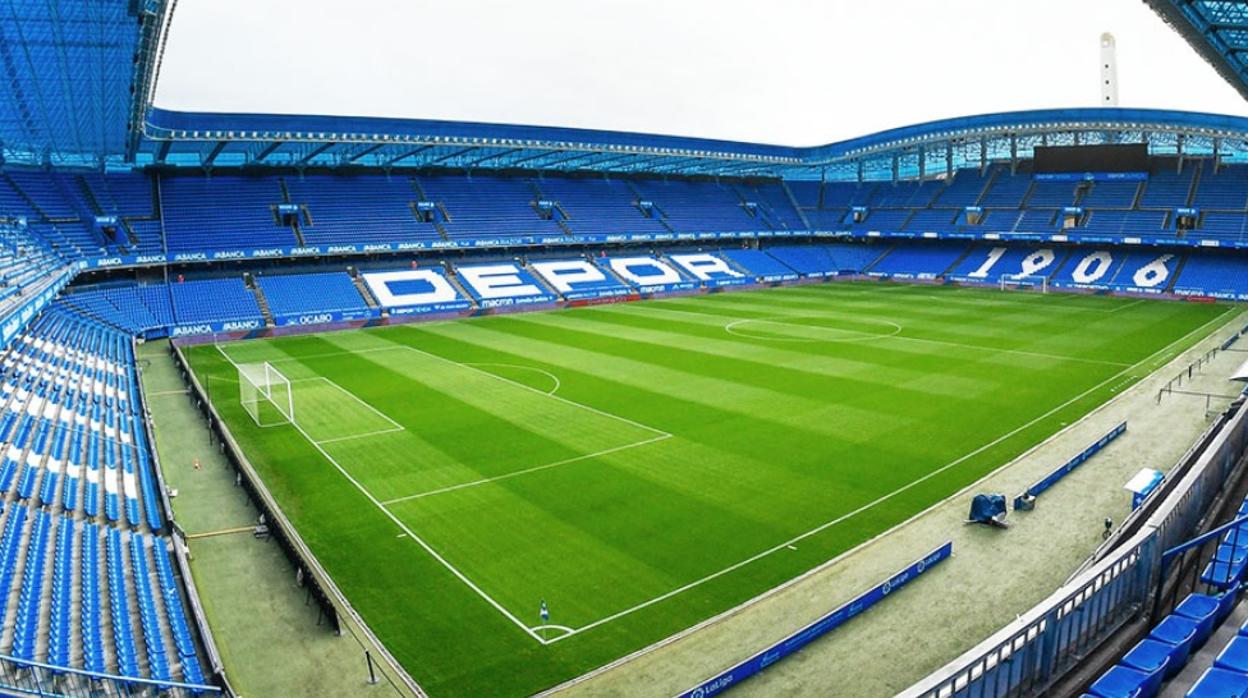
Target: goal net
1015, 282
265, 394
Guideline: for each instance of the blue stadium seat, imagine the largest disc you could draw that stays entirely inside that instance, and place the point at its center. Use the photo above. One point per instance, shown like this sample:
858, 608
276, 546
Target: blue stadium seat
213, 300
295, 294
1151, 656
1219, 683
1124, 682
1234, 657
1179, 634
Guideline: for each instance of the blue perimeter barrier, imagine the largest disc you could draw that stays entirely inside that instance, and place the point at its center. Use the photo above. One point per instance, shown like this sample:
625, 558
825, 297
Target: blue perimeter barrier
1230, 341
1051, 479
757, 663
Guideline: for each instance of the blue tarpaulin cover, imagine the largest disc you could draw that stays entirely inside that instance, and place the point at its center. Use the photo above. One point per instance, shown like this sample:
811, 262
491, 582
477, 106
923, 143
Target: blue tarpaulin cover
988, 508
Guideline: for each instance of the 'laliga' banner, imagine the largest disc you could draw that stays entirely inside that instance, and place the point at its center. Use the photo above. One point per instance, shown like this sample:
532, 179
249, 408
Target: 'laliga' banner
415, 291
835, 619
1040, 486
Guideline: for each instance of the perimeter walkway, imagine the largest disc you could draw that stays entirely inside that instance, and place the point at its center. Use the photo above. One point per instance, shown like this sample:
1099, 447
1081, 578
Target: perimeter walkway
266, 631
995, 575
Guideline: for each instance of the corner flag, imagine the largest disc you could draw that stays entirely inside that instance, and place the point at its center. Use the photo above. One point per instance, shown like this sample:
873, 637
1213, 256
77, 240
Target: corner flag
544, 612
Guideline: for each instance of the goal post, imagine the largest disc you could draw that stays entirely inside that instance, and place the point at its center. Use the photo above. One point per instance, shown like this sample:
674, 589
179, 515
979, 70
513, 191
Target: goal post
1024, 282
265, 394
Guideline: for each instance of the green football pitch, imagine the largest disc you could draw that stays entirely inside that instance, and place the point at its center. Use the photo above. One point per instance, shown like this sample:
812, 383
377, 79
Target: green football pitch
644, 466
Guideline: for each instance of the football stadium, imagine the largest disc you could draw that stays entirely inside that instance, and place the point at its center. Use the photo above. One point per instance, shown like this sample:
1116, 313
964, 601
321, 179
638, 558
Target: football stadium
296, 404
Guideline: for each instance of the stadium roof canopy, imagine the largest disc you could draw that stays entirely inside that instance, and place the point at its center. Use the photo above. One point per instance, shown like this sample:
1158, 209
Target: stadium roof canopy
77, 77
929, 149
1217, 29
81, 75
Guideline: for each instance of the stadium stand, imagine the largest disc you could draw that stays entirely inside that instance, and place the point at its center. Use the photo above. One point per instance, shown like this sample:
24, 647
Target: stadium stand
825, 260
578, 279
196, 221
1216, 225
693, 207
1222, 189
965, 189
1007, 190
1214, 275
922, 261
601, 206
69, 487
1036, 221
1168, 186
211, 300
1173, 641
1110, 194
345, 209
183, 215
759, 264
486, 206
293, 294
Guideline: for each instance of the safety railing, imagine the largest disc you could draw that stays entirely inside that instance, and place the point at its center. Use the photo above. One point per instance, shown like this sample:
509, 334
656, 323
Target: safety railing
1027, 656
25, 677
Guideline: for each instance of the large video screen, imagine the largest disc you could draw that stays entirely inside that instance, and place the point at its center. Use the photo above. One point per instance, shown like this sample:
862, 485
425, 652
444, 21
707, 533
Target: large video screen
1092, 158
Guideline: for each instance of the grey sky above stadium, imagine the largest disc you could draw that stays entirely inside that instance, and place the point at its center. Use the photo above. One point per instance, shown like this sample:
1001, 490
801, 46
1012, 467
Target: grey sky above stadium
795, 72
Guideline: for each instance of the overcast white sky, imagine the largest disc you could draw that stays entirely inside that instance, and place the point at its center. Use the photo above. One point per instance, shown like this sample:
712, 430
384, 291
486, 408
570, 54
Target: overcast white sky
796, 72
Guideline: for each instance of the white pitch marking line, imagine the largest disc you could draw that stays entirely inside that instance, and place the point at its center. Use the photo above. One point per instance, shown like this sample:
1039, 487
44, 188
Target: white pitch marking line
322, 355
411, 534
534, 369
358, 399
531, 389
498, 607
396, 426
886, 497
526, 471
407, 347
551, 626
730, 328
365, 435
161, 393
1128, 305
1020, 352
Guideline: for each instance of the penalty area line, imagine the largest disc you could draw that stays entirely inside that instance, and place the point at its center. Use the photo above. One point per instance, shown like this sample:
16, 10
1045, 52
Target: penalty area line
595, 410
410, 533
526, 471
365, 435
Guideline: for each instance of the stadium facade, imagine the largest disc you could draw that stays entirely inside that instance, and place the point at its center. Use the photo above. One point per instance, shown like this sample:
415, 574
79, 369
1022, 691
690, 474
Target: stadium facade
123, 221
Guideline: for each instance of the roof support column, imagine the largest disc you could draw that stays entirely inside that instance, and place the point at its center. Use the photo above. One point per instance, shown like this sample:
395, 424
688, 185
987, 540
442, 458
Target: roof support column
860, 170
1179, 142
896, 166
922, 163
1217, 154
1013, 153
983, 154
948, 159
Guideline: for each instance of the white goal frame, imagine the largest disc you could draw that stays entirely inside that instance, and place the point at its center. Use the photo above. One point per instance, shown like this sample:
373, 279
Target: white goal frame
256, 382
1024, 281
